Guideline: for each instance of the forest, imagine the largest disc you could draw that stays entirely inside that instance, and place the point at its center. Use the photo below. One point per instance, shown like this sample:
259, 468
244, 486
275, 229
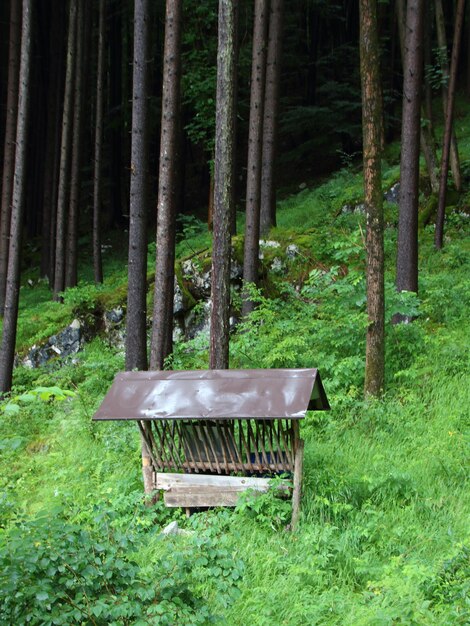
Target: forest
236, 185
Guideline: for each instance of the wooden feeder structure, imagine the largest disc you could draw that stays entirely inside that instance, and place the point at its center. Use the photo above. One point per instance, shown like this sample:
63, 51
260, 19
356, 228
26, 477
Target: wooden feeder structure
212, 434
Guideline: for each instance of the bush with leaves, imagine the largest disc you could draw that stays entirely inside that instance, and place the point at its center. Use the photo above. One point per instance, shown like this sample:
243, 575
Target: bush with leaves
53, 571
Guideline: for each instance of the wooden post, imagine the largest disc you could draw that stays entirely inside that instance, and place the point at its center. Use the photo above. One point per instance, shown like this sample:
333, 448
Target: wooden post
298, 466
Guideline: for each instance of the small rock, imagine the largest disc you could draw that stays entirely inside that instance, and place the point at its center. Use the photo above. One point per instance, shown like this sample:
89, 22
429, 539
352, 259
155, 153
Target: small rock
171, 529
292, 251
393, 194
269, 243
178, 304
115, 316
277, 265
198, 320
174, 529
303, 186
200, 281
236, 270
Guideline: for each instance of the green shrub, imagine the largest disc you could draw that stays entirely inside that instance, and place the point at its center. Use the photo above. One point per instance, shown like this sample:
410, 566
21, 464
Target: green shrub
53, 571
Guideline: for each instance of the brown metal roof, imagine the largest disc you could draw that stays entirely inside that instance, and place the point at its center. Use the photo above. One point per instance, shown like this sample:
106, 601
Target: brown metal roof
213, 394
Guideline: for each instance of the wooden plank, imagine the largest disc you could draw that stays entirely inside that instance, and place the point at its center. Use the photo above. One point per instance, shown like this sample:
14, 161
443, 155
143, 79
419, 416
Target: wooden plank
170, 480
196, 499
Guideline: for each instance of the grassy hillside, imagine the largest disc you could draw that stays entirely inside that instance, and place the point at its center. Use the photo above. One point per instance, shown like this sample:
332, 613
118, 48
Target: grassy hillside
384, 536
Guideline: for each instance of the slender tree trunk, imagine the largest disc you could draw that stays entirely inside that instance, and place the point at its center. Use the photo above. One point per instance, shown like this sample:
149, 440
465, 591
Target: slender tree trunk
65, 149
98, 165
373, 196
427, 142
253, 184
114, 13
7, 348
442, 43
77, 133
162, 329
223, 182
468, 51
271, 108
54, 101
446, 148
407, 256
136, 336
9, 149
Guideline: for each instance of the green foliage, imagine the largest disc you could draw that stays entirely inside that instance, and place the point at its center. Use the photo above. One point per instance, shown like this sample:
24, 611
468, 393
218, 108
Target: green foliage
450, 587
271, 509
45, 394
53, 571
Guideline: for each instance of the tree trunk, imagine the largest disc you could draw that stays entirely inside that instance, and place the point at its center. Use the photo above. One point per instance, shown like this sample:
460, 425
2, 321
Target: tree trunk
65, 149
136, 336
7, 349
442, 43
271, 108
9, 149
427, 142
253, 177
54, 103
223, 182
77, 132
116, 208
446, 148
162, 329
373, 196
468, 51
407, 255
97, 169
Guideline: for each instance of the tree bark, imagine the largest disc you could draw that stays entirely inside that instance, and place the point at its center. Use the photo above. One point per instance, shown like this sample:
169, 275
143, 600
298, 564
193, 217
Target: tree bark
116, 206
9, 144
223, 182
373, 196
136, 335
98, 165
468, 52
65, 150
162, 328
427, 142
407, 255
253, 184
77, 133
7, 349
271, 108
447, 143
442, 43
54, 103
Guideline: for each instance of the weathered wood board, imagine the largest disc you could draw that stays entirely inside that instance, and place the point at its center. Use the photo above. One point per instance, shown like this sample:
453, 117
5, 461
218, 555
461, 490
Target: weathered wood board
194, 490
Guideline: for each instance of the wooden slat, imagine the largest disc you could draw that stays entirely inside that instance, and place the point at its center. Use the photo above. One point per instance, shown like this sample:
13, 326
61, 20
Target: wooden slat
190, 499
170, 480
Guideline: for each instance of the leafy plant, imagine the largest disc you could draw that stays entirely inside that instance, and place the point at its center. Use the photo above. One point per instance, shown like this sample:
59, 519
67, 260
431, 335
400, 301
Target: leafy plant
55, 572
45, 394
269, 509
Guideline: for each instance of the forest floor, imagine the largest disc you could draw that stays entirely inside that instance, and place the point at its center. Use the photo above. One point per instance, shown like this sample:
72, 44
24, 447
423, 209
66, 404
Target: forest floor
384, 534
